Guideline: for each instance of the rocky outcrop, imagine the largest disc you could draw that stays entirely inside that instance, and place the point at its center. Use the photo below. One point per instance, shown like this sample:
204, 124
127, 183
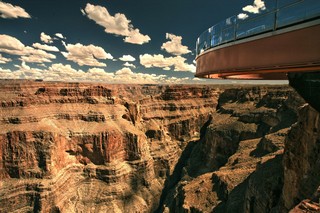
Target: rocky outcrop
237, 166
71, 147
302, 160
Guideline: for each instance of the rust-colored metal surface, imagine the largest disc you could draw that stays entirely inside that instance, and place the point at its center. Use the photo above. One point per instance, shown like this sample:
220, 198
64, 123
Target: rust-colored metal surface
265, 58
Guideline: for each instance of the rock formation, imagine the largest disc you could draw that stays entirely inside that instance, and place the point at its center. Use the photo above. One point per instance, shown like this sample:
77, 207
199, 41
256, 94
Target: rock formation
249, 159
70, 147
81, 147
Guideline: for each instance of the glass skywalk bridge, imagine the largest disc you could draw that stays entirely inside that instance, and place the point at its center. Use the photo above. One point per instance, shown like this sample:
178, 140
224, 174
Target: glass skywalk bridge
283, 37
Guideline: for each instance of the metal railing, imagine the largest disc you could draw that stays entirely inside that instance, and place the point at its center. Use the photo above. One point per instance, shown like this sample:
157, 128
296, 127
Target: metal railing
277, 14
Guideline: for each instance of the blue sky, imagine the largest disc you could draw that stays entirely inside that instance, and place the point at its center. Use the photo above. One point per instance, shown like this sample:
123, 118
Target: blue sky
114, 41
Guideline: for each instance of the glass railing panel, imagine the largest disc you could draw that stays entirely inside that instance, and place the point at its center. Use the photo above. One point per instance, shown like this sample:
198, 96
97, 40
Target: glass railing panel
201, 48
289, 12
203, 36
290, 15
228, 22
216, 40
255, 26
216, 35
312, 8
216, 29
270, 5
228, 34
283, 3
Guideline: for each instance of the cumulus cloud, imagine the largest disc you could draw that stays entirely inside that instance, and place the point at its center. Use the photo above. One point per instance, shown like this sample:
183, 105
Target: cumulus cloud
127, 64
124, 71
23, 66
242, 16
99, 72
59, 35
127, 58
65, 72
86, 55
117, 24
4, 60
37, 56
135, 37
46, 38
13, 46
45, 47
125, 75
62, 72
178, 62
174, 46
257, 6
11, 11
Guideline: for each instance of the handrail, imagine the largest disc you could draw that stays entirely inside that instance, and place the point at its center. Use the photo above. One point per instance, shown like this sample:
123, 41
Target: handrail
281, 14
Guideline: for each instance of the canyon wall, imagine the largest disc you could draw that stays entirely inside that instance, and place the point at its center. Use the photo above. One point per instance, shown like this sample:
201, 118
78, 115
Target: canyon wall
84, 147
71, 147
259, 154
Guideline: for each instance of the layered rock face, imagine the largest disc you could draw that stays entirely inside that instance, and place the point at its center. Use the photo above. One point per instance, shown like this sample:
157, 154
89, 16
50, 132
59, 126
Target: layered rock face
240, 165
70, 147
80, 147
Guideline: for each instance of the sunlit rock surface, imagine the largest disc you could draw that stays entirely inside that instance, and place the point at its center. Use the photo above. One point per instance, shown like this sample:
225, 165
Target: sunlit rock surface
77, 147
81, 147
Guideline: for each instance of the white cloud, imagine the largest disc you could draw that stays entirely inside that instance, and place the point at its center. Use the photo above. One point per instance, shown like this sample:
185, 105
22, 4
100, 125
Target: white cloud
127, 58
45, 47
59, 35
242, 16
86, 55
125, 75
178, 62
135, 37
4, 60
124, 71
23, 66
117, 24
256, 7
37, 56
127, 64
5, 73
64, 72
10, 11
99, 72
174, 46
45, 38
13, 46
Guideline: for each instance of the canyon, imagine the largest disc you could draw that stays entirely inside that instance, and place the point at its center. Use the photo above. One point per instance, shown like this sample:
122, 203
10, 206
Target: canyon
92, 147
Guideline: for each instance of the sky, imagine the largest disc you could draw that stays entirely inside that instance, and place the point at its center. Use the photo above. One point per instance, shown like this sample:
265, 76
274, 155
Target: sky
112, 41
